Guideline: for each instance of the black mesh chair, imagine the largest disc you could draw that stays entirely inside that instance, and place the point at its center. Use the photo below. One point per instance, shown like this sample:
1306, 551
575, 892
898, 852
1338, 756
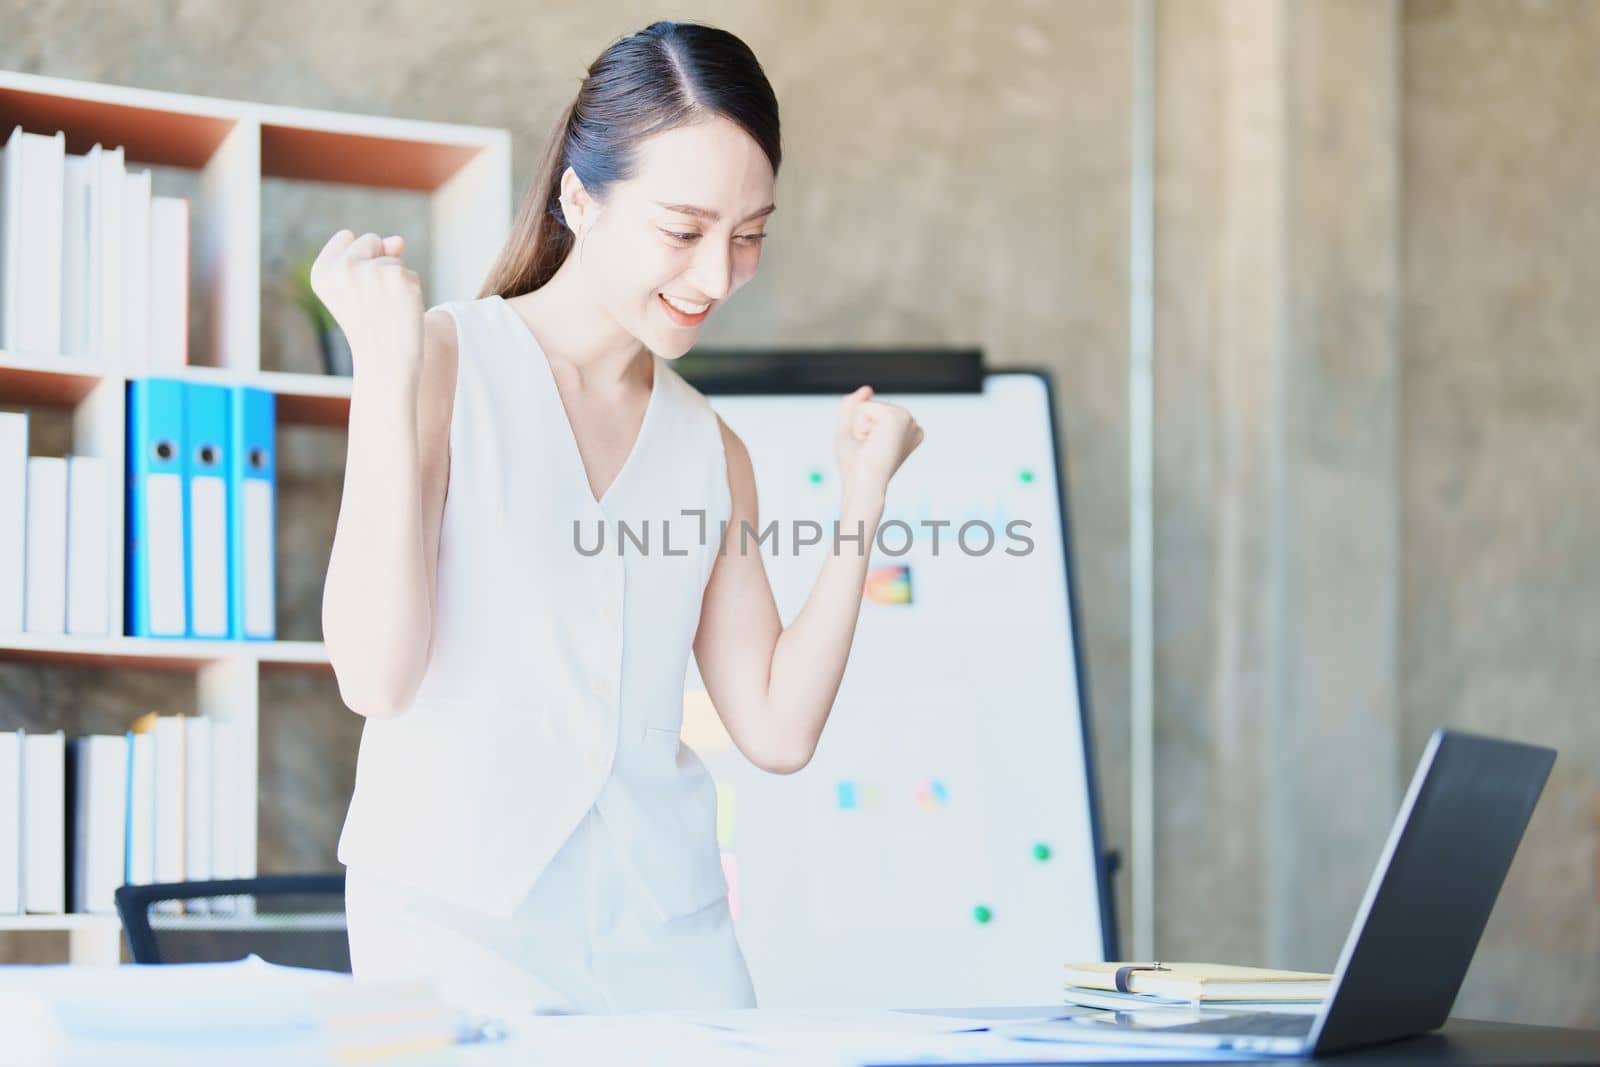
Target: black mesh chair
292, 919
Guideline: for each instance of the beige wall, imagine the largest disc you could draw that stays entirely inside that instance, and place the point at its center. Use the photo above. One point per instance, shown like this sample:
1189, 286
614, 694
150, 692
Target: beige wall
1377, 393
1501, 461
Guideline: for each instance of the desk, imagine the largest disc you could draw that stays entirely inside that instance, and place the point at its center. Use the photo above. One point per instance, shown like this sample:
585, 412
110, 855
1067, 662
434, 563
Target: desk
254, 1014
1466, 1042
1461, 1042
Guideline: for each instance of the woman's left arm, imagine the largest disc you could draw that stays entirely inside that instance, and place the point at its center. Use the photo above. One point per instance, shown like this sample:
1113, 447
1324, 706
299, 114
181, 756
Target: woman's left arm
774, 687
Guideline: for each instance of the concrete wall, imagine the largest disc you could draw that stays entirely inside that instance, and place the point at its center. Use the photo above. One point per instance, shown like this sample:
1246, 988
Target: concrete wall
1501, 454
1276, 431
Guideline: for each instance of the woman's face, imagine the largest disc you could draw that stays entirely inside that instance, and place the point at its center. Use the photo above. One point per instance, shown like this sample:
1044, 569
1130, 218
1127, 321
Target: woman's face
687, 227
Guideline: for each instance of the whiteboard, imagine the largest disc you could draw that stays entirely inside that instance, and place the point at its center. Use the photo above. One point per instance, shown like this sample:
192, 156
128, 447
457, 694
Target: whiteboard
942, 845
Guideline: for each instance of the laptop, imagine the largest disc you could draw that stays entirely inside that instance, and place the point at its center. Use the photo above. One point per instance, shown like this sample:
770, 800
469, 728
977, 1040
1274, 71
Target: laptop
1415, 933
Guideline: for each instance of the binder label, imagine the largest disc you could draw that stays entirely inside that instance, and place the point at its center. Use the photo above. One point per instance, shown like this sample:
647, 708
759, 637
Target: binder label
164, 515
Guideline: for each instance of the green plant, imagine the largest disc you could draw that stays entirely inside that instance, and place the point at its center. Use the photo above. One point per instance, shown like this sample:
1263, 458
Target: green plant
306, 297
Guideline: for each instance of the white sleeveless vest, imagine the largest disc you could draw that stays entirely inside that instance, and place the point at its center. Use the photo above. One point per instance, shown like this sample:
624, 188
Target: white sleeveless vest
555, 679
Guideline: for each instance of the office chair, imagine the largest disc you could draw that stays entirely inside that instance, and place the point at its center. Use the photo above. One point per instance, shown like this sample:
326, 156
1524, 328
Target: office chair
292, 919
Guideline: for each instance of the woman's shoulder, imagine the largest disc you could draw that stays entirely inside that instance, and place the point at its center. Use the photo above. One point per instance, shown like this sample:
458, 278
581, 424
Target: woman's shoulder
680, 389
712, 431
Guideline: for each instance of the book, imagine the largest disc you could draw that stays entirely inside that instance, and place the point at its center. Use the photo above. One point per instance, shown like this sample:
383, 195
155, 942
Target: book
77, 220
169, 779
11, 744
106, 263
1110, 1000
140, 868
169, 283
13, 520
1201, 982
31, 231
135, 340
97, 802
44, 824
88, 546
44, 591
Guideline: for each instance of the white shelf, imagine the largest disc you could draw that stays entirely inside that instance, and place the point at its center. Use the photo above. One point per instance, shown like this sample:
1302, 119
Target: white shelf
59, 923
109, 923
153, 652
64, 382
234, 145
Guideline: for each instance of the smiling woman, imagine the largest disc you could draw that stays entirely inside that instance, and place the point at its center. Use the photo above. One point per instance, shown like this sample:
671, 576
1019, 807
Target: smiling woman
527, 829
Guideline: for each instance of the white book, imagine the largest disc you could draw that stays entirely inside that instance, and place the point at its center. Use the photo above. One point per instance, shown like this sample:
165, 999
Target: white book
106, 268
88, 546
169, 283
44, 595
10, 238
140, 867
35, 324
94, 167
13, 520
11, 822
224, 806
136, 272
76, 213
99, 766
44, 824
171, 773
197, 801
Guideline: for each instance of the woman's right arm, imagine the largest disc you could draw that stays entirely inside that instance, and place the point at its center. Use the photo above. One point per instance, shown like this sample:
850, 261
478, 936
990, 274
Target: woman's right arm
377, 600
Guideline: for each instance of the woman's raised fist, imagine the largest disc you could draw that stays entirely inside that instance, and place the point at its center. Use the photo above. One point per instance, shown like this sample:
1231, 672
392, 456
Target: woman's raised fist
377, 301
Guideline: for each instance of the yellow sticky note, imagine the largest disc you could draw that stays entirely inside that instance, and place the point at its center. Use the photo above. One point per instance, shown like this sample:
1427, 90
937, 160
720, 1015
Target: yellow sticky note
724, 815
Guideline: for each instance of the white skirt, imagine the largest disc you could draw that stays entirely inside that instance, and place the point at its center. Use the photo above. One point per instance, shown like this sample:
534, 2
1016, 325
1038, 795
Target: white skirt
583, 940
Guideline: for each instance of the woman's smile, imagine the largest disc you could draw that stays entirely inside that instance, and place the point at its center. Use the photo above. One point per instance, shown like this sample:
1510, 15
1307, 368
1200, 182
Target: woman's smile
683, 312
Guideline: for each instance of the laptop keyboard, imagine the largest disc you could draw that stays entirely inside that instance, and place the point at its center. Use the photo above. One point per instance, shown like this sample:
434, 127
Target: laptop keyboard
1265, 1024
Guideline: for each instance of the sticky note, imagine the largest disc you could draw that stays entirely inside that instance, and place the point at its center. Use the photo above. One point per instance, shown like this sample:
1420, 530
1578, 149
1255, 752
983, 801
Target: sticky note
932, 795
724, 814
889, 584
846, 793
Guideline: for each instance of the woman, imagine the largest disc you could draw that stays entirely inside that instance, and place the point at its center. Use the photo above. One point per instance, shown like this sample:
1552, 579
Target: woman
526, 827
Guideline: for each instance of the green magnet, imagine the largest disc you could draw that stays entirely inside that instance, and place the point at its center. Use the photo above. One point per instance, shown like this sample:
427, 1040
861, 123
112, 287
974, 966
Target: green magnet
982, 913
1041, 852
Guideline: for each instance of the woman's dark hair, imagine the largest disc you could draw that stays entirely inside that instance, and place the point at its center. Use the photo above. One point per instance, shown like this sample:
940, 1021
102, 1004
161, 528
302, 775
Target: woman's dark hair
668, 74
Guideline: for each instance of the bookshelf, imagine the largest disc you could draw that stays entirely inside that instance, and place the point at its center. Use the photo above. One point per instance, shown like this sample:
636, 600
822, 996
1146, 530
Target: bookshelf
465, 174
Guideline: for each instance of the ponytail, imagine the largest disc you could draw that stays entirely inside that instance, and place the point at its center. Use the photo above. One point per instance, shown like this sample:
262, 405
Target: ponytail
539, 240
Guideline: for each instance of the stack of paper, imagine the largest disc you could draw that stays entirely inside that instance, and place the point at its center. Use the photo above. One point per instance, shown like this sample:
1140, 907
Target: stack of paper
244, 1013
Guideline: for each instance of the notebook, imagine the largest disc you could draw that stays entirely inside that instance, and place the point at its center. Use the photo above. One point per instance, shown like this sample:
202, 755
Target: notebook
1200, 982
